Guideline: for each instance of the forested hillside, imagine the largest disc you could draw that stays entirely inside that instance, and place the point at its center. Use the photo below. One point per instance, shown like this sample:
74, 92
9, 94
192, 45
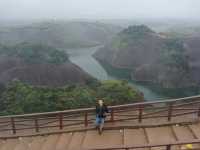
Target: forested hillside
20, 98
152, 57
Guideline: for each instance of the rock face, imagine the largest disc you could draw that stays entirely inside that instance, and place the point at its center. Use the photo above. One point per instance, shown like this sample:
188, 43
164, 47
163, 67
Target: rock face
129, 48
45, 72
169, 62
192, 45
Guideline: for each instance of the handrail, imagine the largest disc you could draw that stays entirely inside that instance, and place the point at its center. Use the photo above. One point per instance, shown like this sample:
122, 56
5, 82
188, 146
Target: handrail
111, 107
39, 121
168, 146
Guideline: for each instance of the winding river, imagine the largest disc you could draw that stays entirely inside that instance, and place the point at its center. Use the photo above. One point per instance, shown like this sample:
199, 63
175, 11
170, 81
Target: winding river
83, 58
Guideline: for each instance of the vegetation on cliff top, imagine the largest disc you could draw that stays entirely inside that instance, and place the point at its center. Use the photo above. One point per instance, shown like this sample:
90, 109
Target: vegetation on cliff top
20, 98
130, 35
136, 31
35, 53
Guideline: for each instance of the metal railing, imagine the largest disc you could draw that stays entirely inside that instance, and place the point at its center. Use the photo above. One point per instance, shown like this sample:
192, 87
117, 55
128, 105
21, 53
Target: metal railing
85, 117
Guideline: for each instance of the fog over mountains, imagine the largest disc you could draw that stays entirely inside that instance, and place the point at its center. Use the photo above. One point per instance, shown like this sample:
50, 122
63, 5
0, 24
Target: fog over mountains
95, 9
67, 24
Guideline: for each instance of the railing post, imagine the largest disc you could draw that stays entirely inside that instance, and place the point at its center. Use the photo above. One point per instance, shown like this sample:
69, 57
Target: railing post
86, 119
198, 112
36, 125
170, 109
140, 113
168, 147
13, 125
112, 115
61, 121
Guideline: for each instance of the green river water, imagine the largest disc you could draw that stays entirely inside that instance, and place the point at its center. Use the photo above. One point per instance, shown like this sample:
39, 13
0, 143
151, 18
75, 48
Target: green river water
83, 58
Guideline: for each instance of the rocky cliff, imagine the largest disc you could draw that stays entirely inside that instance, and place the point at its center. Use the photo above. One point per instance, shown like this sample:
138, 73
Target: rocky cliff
39, 65
153, 58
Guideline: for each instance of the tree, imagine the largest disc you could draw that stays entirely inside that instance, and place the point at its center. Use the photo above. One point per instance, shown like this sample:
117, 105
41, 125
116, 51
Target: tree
20, 98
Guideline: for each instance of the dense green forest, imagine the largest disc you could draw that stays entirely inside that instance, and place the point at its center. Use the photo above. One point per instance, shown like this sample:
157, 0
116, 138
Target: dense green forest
173, 55
20, 98
135, 32
35, 53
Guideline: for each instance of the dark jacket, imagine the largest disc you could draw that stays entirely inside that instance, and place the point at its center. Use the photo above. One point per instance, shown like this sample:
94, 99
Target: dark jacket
101, 110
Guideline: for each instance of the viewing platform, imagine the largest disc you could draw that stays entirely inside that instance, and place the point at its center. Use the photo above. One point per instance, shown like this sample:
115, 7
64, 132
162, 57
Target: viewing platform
159, 125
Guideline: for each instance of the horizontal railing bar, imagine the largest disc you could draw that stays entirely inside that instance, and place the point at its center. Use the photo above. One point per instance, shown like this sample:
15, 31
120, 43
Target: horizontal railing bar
49, 122
185, 109
73, 119
6, 125
72, 124
49, 126
72, 116
185, 104
91, 120
76, 123
4, 122
125, 115
160, 116
157, 112
31, 120
64, 125
22, 124
182, 114
153, 108
6, 129
124, 119
49, 113
134, 109
25, 128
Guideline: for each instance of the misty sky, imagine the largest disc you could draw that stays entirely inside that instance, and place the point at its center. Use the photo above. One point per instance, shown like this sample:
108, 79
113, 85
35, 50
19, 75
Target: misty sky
99, 9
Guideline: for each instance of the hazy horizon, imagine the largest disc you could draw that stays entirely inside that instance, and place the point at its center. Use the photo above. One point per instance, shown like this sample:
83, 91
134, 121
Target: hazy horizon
96, 9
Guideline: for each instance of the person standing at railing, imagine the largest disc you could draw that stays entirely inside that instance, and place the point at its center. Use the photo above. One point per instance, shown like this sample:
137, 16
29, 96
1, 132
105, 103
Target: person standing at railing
101, 110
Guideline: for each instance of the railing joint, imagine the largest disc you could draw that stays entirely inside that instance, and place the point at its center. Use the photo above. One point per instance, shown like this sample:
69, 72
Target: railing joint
13, 125
141, 107
86, 119
36, 124
168, 147
61, 121
198, 111
112, 115
170, 111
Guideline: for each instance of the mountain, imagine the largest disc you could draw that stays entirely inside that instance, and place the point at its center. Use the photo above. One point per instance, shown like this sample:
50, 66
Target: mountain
192, 44
39, 65
73, 34
152, 57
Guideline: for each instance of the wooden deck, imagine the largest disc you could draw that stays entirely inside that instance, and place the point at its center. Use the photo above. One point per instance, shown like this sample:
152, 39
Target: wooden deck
162, 125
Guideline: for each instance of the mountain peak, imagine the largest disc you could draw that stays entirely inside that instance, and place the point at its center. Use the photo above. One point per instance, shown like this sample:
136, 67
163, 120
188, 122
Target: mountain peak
138, 29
